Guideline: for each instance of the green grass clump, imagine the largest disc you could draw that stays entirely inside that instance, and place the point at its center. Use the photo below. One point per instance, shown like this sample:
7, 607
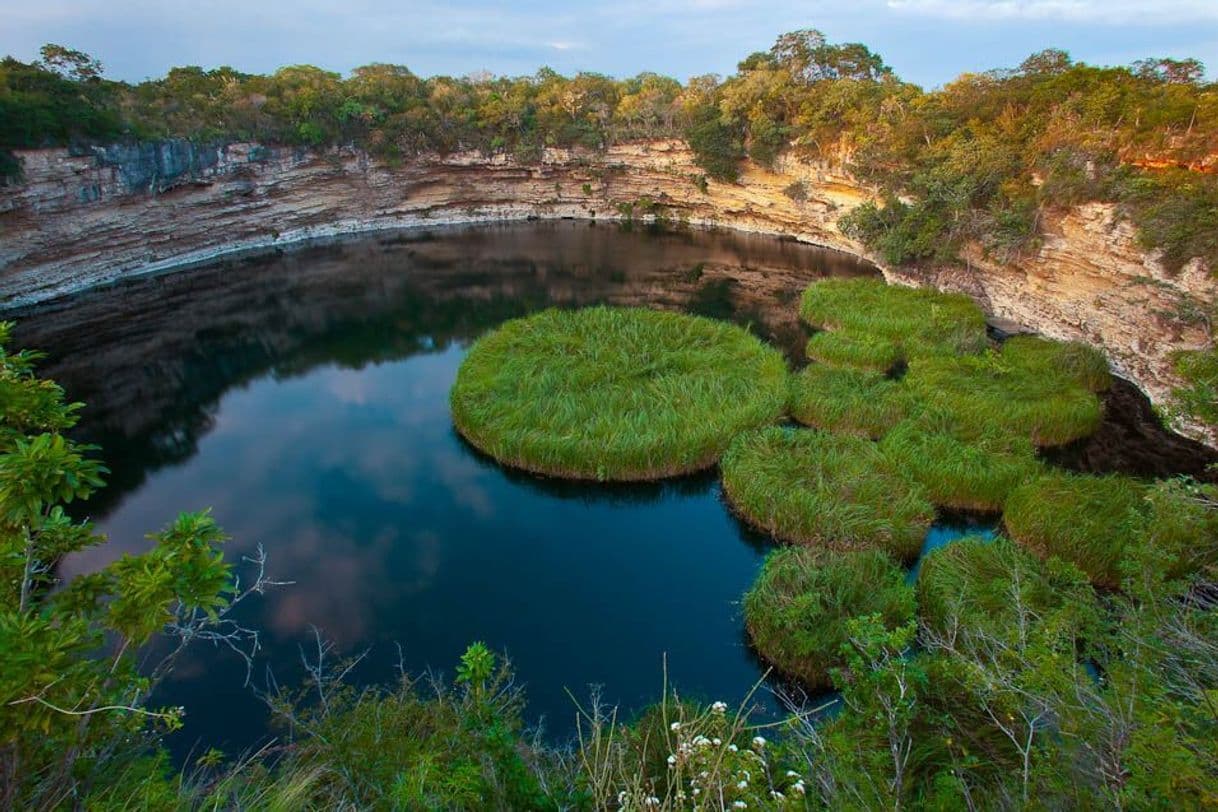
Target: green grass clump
920, 321
1182, 524
796, 611
1003, 393
1069, 360
851, 401
853, 349
839, 491
1103, 524
994, 588
614, 393
1090, 521
976, 475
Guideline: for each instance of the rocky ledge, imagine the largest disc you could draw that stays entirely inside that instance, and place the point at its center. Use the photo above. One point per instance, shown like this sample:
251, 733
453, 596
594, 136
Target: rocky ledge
78, 220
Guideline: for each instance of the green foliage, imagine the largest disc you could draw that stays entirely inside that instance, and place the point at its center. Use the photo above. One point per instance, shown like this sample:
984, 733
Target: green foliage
798, 611
823, 489
854, 349
978, 587
615, 394
976, 475
413, 746
848, 401
717, 145
1198, 398
1115, 527
1176, 214
71, 687
1087, 520
1028, 388
919, 321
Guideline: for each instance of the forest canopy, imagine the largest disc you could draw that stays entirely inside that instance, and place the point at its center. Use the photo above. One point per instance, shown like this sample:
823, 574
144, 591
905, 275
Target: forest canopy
980, 160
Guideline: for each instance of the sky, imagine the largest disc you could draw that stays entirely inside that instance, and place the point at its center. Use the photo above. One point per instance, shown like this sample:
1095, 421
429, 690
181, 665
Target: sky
927, 41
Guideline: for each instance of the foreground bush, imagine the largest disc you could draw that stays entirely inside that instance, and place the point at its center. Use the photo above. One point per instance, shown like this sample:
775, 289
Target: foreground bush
413, 746
848, 401
956, 474
919, 321
838, 491
76, 660
679, 754
615, 394
796, 612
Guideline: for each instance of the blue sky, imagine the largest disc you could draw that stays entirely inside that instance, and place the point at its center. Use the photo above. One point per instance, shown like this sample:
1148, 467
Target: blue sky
927, 41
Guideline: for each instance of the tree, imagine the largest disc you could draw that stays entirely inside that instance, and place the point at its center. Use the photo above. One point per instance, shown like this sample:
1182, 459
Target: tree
70, 63
71, 690
1172, 71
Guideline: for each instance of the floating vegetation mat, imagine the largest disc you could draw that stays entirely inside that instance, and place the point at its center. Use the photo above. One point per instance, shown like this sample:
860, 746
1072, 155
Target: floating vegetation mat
838, 491
796, 612
615, 393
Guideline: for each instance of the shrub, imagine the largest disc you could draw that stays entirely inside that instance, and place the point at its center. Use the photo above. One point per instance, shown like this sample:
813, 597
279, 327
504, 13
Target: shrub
717, 145
796, 612
957, 474
919, 321
1182, 524
814, 488
851, 401
994, 588
615, 394
417, 745
1198, 398
77, 657
854, 349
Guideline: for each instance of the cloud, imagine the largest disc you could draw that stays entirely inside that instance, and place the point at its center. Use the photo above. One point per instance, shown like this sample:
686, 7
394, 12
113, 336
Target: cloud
1103, 12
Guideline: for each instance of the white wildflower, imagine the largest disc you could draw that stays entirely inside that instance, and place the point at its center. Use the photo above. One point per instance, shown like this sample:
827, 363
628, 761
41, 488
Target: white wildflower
672, 761
776, 795
732, 748
719, 707
742, 784
739, 805
675, 726
798, 786
716, 741
792, 774
758, 742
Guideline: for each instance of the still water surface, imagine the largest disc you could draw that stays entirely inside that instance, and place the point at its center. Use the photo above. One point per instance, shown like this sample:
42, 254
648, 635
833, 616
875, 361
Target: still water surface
303, 398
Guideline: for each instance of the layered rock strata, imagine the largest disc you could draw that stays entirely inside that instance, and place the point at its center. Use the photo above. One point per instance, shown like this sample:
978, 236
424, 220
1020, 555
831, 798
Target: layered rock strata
78, 220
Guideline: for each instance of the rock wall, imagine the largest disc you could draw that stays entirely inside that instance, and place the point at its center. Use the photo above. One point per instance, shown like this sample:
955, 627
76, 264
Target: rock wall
78, 220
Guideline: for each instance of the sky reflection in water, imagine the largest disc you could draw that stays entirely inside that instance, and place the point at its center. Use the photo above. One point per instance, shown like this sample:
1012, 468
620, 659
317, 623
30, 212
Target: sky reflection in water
305, 401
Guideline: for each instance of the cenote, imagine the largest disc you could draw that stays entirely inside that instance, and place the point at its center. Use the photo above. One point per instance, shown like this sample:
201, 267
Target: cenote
302, 395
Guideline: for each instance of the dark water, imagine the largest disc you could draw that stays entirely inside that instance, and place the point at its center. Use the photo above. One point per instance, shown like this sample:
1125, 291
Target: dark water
302, 397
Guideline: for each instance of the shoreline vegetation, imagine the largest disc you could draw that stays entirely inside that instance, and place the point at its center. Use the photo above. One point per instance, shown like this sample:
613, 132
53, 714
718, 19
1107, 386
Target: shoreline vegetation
1071, 663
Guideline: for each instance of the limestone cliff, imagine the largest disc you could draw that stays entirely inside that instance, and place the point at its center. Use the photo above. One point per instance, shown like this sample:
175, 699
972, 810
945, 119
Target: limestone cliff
81, 219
